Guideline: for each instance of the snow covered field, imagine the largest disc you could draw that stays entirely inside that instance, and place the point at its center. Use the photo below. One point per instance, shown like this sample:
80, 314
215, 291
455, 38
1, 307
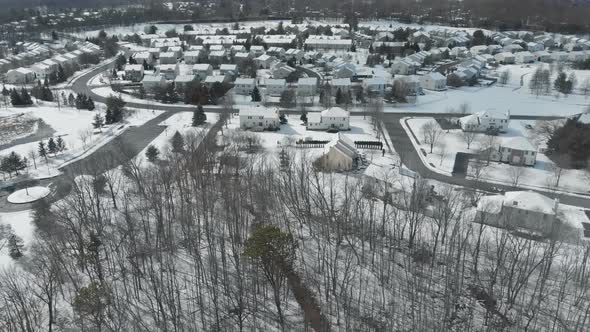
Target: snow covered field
75, 128
21, 225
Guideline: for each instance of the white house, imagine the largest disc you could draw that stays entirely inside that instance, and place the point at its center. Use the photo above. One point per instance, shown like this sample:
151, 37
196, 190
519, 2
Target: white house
332, 118
182, 81
345, 70
515, 151
241, 57
339, 155
41, 71
141, 57
191, 57
275, 87
257, 50
505, 58
560, 56
20, 76
264, 61
244, 86
535, 47
202, 70
152, 82
485, 120
282, 71
212, 79
524, 57
228, 70
543, 56
168, 71
307, 86
404, 66
433, 81
259, 118
134, 73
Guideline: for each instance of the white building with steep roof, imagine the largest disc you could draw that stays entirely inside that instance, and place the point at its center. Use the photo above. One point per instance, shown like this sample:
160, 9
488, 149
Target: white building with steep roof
485, 120
339, 155
334, 118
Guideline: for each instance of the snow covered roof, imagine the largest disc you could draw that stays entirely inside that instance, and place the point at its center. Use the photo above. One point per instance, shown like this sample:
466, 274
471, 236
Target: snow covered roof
335, 112
275, 82
184, 78
215, 79
343, 145
245, 81
436, 76
133, 67
228, 67
201, 66
259, 111
307, 81
341, 82
530, 200
153, 78
517, 143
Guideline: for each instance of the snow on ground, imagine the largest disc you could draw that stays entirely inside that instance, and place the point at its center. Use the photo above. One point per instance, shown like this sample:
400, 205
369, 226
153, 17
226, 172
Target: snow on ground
542, 176
28, 195
519, 102
180, 122
22, 226
107, 91
75, 128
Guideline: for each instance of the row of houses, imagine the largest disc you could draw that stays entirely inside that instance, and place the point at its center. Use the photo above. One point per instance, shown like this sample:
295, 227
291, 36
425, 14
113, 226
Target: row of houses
42, 69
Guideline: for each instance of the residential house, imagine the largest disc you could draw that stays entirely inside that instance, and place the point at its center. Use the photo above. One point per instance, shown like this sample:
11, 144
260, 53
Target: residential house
191, 57
144, 57
244, 86
212, 79
259, 118
277, 52
404, 66
331, 118
294, 54
229, 70
235, 49
202, 70
433, 81
275, 87
307, 86
515, 150
241, 57
134, 73
41, 71
257, 50
177, 50
182, 81
485, 120
543, 56
524, 57
505, 58
560, 56
282, 71
20, 76
534, 213
339, 155
264, 61
218, 56
535, 47
152, 82
168, 71
328, 44
345, 70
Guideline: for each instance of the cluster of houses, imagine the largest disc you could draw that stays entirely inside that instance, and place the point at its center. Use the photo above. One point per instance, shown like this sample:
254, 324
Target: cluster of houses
41, 62
261, 118
514, 150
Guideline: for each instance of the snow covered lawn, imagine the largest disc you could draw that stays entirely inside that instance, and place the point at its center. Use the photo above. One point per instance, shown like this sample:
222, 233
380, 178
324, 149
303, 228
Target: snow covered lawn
20, 224
28, 195
542, 176
75, 128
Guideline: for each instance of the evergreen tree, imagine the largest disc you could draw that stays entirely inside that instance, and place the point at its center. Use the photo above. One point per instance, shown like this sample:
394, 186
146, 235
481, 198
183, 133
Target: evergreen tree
46, 94
339, 97
116, 106
12, 163
25, 97
61, 74
15, 98
256, 94
152, 153
283, 118
199, 116
171, 94
71, 100
177, 143
52, 146
5, 91
98, 122
303, 117
15, 245
121, 61
108, 117
90, 104
42, 150
61, 145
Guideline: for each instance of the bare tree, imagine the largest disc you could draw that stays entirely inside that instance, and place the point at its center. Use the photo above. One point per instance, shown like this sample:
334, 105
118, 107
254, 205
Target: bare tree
516, 174
431, 132
469, 137
487, 146
504, 77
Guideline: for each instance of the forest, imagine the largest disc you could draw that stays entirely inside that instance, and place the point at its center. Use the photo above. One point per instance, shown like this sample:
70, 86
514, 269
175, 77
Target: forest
216, 235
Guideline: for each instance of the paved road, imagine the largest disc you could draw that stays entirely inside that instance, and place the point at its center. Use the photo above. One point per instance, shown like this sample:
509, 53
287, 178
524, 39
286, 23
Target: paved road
403, 145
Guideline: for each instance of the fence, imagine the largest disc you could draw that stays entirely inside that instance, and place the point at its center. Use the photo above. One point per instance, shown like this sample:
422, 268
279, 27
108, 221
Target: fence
374, 145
